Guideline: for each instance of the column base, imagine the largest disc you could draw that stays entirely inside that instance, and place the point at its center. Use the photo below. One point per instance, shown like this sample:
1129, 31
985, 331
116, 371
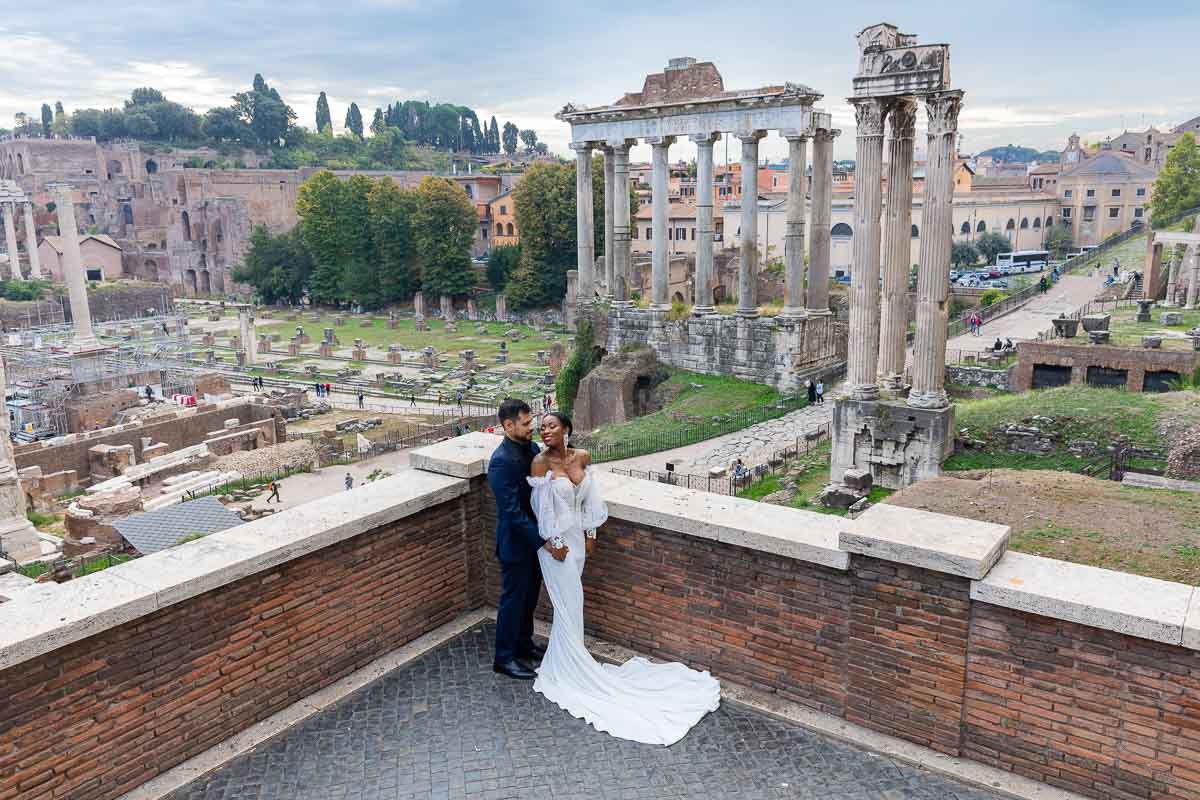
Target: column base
622, 304
20, 538
864, 391
819, 312
748, 313
792, 313
703, 311
898, 445
931, 400
660, 306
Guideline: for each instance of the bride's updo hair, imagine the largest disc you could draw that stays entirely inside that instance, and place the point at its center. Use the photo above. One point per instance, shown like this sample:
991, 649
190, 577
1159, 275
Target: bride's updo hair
562, 418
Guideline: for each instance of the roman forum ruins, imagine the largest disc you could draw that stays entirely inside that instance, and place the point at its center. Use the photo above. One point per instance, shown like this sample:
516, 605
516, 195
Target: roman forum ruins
12, 197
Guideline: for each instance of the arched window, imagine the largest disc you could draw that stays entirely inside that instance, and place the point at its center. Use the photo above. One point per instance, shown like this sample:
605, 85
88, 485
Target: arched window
499, 229
1049, 221
1037, 222
915, 232
966, 228
510, 229
981, 227
1012, 223
469, 190
1024, 223
186, 221
151, 166
842, 231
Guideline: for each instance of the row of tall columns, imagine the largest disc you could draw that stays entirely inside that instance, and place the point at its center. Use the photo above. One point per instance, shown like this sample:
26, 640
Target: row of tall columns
10, 241
85, 337
799, 303
897, 235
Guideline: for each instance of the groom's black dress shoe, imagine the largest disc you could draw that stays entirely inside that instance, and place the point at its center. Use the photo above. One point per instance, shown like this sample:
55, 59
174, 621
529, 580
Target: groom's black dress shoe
515, 669
535, 652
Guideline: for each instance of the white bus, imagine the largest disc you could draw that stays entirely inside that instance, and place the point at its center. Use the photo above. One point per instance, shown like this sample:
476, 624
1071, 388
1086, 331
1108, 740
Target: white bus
1020, 261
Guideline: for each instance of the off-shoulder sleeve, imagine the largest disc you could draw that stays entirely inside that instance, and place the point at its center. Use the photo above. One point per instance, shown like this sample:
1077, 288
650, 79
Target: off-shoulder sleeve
592, 512
552, 520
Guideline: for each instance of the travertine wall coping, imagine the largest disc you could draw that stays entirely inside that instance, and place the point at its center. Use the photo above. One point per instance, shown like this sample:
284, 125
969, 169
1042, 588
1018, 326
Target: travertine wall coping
954, 545
463, 456
49, 616
790, 532
1147, 608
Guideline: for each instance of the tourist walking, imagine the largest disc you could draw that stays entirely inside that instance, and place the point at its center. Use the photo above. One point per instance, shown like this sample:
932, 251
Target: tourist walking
273, 486
1042, 286
349, 482
820, 391
328, 387
811, 388
360, 399
412, 399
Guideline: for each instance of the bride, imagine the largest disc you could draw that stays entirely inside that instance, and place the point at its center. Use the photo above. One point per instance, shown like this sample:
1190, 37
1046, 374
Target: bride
641, 701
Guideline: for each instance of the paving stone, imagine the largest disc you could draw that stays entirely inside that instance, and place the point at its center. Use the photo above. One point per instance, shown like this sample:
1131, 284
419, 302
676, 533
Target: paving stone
445, 726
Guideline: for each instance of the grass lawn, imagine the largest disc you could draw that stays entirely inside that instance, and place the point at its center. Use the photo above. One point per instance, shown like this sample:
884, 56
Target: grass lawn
379, 335
694, 395
1079, 412
1126, 331
804, 479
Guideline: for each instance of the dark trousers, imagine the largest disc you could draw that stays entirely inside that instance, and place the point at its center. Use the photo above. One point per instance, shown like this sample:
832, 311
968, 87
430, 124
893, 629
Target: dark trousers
520, 585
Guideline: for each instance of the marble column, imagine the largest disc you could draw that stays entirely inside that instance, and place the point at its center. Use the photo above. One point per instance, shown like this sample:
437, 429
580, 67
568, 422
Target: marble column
660, 268
584, 225
10, 240
897, 246
621, 254
31, 243
822, 212
937, 233
863, 347
748, 265
18, 538
793, 242
1193, 277
72, 268
1172, 273
704, 223
609, 199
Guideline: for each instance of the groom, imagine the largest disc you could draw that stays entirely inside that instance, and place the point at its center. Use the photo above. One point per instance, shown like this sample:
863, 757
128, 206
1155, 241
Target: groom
517, 543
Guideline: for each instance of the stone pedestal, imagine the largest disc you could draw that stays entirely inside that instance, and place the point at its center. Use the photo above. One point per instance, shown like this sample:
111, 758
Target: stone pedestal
325, 350
293, 348
1098, 337
1144, 307
896, 443
1066, 328
395, 355
501, 308
1169, 318
472, 310
1095, 322
359, 354
264, 344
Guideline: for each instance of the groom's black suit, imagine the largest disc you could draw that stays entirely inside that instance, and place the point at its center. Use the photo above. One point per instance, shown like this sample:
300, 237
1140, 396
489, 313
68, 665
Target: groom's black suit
517, 543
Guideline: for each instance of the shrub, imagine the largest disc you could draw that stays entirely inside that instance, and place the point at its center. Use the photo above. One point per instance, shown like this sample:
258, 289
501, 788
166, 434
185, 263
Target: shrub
991, 297
581, 362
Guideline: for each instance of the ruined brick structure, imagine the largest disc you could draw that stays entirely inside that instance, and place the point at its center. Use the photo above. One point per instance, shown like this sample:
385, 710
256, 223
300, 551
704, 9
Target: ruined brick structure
1041, 365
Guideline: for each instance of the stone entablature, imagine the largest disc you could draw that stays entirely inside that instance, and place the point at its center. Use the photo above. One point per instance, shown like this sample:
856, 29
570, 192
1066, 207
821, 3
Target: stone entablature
905, 622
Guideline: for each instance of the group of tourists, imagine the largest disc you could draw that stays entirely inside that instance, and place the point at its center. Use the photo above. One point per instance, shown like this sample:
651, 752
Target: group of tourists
323, 389
816, 391
257, 382
976, 322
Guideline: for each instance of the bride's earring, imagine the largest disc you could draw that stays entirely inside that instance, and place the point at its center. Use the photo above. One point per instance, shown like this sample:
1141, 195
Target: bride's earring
566, 440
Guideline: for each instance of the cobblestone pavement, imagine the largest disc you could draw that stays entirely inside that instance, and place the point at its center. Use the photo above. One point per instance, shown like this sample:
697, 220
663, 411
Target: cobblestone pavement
445, 726
753, 444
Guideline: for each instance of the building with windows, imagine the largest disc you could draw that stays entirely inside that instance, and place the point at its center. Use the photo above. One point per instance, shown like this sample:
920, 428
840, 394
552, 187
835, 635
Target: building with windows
502, 220
1103, 195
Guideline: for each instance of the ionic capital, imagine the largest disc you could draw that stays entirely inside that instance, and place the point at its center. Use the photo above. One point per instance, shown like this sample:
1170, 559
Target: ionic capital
942, 109
581, 148
795, 136
660, 141
869, 116
902, 116
750, 137
705, 138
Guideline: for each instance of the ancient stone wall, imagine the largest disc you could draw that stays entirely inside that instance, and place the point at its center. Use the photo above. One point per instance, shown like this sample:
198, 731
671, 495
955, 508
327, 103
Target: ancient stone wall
121, 301
979, 376
96, 410
763, 350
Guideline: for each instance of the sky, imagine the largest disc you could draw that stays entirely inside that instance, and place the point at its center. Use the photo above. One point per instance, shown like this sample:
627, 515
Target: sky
1033, 72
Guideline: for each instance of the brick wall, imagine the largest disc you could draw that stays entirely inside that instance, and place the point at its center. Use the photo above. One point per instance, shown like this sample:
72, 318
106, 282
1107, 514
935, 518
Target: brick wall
1081, 356
103, 715
1095, 712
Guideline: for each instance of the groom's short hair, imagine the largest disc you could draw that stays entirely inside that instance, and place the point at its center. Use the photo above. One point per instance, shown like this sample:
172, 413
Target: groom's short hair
512, 408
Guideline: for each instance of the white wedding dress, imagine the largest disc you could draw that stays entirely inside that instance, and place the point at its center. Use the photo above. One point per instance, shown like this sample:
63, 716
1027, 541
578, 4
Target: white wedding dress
640, 701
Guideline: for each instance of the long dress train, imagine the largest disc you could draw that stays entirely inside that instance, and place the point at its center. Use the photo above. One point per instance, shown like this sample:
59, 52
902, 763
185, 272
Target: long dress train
638, 700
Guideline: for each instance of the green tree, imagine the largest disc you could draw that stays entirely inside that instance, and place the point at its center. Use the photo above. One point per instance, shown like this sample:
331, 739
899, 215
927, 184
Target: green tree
47, 119
265, 112
278, 267
510, 138
140, 125
545, 209
60, 126
377, 123
86, 122
318, 202
360, 270
963, 254
1059, 241
529, 139
144, 96
581, 361
445, 226
991, 297
222, 124
992, 244
324, 120
1178, 186
502, 261
393, 210
493, 136
354, 120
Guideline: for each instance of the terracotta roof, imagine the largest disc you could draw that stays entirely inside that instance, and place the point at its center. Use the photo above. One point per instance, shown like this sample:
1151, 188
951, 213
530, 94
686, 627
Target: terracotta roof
1109, 163
56, 241
1046, 169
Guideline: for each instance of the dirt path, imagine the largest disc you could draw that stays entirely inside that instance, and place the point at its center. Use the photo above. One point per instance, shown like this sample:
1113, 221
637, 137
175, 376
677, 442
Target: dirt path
1075, 518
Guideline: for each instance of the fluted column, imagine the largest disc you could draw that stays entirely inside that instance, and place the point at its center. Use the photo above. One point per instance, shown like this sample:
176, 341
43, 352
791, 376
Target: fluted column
793, 242
748, 266
10, 241
704, 223
584, 225
1172, 273
863, 346
31, 243
937, 233
897, 247
1193, 273
660, 266
72, 268
822, 213
620, 290
608, 220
